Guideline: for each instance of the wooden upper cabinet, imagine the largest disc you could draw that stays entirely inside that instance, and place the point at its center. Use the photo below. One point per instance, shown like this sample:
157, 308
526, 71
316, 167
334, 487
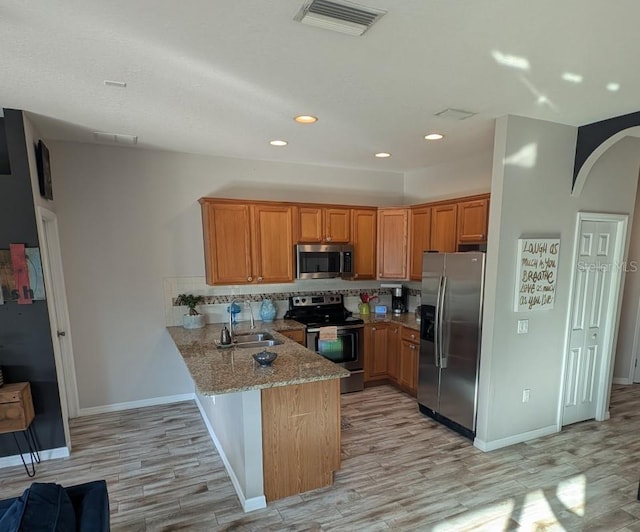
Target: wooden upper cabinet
363, 233
443, 228
331, 225
310, 226
272, 243
393, 225
420, 239
472, 220
337, 225
247, 242
227, 243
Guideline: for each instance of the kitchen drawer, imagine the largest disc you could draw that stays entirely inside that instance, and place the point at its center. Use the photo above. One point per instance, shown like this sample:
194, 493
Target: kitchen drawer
16, 407
297, 335
411, 335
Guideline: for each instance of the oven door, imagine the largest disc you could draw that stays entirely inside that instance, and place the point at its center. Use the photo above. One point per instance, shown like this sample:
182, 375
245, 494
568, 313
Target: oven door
345, 350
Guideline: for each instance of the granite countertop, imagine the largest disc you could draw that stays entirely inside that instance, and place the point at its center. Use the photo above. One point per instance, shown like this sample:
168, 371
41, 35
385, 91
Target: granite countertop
408, 319
217, 371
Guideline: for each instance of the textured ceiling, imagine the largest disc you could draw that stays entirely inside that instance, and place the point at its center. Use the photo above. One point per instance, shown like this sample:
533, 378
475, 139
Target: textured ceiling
224, 78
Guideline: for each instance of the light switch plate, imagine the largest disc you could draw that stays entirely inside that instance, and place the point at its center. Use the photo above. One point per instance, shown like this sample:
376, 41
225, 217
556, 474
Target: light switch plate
523, 326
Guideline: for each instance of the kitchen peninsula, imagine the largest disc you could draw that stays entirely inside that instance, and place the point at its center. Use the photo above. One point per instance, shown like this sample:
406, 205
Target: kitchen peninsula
276, 428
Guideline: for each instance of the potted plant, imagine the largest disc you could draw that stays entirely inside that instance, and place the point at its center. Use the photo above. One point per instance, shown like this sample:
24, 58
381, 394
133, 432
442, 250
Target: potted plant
192, 320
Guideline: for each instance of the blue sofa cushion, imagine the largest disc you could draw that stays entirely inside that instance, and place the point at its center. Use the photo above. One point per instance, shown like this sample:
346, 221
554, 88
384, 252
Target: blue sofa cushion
41, 508
91, 503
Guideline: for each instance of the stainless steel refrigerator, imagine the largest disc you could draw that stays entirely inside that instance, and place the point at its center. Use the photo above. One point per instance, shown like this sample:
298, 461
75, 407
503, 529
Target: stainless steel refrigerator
451, 319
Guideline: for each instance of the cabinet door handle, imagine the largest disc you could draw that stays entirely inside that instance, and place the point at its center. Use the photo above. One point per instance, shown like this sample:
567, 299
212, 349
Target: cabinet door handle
328, 239
412, 347
259, 279
249, 279
373, 328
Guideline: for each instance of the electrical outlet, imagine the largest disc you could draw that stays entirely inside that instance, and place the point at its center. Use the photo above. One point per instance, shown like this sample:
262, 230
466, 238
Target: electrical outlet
523, 326
526, 393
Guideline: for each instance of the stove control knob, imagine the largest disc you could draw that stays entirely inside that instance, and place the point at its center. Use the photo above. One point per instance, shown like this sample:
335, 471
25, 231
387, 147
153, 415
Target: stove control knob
304, 300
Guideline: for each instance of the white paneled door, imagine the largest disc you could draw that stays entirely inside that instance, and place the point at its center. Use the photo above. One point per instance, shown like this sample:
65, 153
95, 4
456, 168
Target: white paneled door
591, 316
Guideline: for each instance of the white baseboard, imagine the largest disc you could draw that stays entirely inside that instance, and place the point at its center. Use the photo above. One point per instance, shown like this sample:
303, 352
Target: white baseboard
154, 401
248, 505
47, 454
512, 440
622, 380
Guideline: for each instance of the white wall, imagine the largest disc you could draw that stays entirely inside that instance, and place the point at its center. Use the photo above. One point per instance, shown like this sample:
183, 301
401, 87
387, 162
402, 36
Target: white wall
235, 420
625, 355
531, 198
128, 219
463, 177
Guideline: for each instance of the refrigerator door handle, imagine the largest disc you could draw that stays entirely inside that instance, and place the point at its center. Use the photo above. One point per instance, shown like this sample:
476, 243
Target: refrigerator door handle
442, 293
436, 332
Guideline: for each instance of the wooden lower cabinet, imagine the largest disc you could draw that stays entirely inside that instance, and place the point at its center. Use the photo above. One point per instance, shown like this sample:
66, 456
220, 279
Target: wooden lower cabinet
391, 356
306, 458
297, 335
408, 379
393, 351
376, 343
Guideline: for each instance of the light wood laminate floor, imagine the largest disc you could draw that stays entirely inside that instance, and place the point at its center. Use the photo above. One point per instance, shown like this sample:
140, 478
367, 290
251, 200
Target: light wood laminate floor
400, 471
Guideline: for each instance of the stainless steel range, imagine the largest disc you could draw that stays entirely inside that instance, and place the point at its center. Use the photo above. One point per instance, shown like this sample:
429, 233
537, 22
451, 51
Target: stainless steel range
343, 345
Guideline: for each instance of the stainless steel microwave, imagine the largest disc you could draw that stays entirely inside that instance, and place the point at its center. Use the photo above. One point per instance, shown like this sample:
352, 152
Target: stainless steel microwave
324, 261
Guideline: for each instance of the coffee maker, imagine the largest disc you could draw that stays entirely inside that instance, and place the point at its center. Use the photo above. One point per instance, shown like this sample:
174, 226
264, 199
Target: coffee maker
399, 297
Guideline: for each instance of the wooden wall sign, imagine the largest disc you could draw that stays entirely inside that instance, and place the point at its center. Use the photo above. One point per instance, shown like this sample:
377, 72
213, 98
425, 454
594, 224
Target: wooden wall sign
536, 272
21, 278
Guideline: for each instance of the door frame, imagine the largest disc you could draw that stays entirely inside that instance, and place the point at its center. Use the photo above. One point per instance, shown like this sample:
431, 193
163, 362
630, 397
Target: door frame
614, 304
47, 223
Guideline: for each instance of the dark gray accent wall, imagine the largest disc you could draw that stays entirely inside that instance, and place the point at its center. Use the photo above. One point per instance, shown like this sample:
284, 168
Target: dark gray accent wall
591, 136
26, 349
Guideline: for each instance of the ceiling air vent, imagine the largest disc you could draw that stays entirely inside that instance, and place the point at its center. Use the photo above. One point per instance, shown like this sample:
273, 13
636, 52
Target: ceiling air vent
344, 17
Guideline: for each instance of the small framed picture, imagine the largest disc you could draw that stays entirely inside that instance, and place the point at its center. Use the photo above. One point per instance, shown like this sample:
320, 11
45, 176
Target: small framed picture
44, 170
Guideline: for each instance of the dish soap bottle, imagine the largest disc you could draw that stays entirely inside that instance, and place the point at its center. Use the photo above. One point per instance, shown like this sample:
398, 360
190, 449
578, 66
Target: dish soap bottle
225, 336
267, 310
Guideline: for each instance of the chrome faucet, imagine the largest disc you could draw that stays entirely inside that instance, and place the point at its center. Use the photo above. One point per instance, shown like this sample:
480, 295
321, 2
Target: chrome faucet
231, 329
253, 321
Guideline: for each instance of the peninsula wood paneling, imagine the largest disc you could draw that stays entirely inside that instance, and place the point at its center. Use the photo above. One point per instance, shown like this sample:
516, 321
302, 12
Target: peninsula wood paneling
309, 415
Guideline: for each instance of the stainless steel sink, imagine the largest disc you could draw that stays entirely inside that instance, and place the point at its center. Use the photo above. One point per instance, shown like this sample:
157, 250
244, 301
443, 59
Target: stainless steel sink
253, 337
259, 339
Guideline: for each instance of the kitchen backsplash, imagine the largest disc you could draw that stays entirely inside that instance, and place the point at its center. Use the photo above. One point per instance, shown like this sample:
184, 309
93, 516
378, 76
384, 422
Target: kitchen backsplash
217, 298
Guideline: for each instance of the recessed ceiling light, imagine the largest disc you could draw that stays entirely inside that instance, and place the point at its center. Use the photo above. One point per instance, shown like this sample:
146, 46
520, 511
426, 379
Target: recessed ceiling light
306, 119
433, 136
383, 154
613, 87
278, 142
571, 77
